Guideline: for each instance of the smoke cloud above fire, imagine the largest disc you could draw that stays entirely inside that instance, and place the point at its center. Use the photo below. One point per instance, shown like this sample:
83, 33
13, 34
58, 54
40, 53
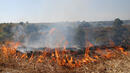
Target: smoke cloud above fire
45, 35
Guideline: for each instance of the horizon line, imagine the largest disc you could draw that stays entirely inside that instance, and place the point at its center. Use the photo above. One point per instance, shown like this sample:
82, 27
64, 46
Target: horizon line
65, 21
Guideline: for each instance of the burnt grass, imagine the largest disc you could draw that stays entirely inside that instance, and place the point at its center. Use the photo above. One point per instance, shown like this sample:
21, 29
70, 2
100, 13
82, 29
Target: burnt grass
117, 64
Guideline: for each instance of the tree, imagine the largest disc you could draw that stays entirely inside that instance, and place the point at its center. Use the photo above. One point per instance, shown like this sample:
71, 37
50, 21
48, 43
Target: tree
84, 24
6, 32
118, 31
80, 37
117, 22
21, 23
27, 22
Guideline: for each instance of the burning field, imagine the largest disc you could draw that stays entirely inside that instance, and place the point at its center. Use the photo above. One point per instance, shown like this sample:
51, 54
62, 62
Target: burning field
77, 48
112, 59
65, 36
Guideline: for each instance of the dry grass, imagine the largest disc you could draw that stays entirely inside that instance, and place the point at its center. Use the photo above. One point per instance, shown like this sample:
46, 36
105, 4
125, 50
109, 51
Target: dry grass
118, 64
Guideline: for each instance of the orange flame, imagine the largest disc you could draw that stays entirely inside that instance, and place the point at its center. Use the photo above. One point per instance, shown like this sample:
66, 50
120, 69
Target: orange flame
122, 50
62, 58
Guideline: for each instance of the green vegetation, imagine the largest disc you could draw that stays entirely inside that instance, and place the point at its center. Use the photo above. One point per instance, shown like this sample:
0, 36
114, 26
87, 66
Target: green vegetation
118, 33
5, 32
99, 35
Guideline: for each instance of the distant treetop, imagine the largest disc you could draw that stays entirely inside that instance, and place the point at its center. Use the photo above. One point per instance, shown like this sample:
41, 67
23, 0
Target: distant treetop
117, 22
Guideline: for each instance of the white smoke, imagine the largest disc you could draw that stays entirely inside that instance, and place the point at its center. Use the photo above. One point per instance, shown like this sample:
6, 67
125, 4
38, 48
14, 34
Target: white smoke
45, 35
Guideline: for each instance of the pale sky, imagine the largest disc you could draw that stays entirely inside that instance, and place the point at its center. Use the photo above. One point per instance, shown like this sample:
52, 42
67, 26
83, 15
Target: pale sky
63, 10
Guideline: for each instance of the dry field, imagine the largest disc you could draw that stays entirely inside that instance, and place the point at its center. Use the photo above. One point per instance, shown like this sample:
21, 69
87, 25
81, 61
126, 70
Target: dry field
13, 62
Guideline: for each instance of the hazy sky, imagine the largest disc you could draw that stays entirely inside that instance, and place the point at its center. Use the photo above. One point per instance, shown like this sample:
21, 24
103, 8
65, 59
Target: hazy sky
63, 10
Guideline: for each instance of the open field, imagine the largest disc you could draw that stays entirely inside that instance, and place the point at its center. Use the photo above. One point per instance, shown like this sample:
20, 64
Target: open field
12, 63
